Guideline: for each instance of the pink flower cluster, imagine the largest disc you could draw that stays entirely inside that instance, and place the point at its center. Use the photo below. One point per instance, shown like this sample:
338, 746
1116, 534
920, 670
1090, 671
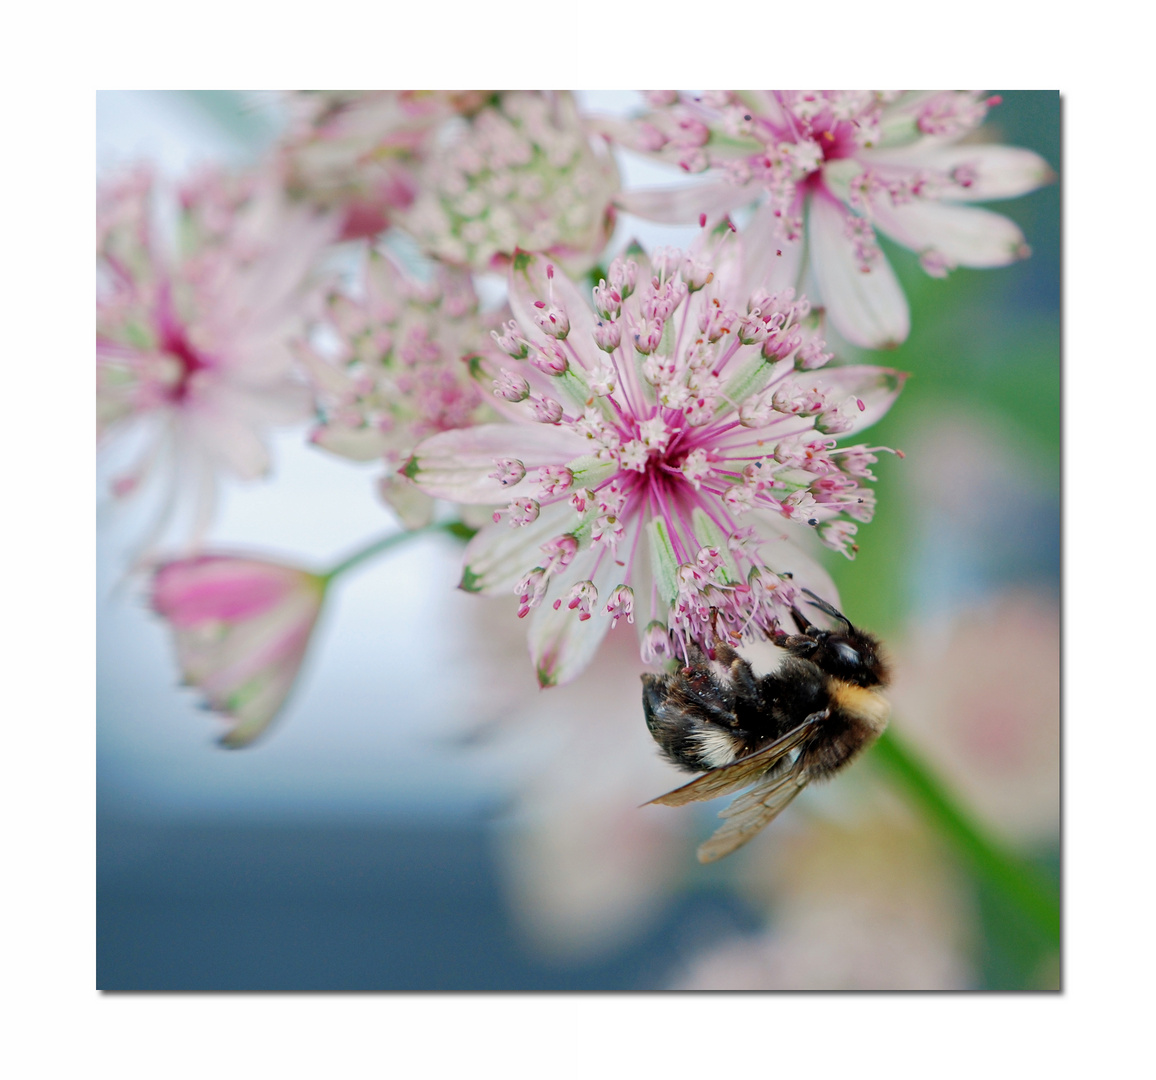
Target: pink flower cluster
387, 364
828, 168
194, 325
663, 444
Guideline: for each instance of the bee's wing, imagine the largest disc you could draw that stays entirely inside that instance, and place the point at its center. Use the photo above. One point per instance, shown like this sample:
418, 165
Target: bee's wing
728, 778
754, 810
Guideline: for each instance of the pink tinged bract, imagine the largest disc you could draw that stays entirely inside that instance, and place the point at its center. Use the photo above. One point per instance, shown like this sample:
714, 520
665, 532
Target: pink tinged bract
241, 628
675, 488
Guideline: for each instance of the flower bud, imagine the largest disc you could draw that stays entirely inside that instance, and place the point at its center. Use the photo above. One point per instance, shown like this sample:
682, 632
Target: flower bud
546, 410
607, 335
582, 597
623, 276
511, 341
607, 300
551, 320
554, 479
550, 359
621, 603
656, 644
509, 471
511, 387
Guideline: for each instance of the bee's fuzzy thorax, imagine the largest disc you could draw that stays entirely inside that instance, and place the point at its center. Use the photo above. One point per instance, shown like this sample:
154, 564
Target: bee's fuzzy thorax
867, 706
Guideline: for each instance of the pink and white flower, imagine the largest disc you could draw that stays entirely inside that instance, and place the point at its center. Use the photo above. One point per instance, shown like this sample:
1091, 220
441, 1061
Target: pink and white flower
389, 368
193, 329
666, 471
829, 168
359, 152
241, 627
526, 171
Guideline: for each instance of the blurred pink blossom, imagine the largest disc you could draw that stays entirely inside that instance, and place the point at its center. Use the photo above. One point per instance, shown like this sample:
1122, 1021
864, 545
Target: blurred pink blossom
979, 694
388, 363
586, 867
359, 151
868, 906
525, 171
829, 168
662, 455
193, 325
241, 627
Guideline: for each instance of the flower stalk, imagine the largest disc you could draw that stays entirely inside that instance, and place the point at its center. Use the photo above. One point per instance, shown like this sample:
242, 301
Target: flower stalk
1016, 879
453, 528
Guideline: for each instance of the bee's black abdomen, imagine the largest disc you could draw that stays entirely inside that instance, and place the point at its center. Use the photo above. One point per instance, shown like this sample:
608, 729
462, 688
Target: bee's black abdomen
671, 724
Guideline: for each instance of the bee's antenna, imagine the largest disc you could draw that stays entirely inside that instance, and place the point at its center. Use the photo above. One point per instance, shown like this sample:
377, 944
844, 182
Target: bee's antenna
822, 605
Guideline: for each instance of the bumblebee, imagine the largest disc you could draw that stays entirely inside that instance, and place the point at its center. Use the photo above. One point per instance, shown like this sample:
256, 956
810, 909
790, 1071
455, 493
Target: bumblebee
773, 734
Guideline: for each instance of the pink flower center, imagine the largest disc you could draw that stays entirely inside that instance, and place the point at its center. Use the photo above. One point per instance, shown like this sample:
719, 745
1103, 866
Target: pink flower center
175, 343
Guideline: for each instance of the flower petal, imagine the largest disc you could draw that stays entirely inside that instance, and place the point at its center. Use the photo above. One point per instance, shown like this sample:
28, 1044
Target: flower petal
683, 205
965, 235
530, 283
356, 444
998, 172
456, 465
562, 644
868, 309
218, 588
500, 556
783, 548
875, 387
768, 262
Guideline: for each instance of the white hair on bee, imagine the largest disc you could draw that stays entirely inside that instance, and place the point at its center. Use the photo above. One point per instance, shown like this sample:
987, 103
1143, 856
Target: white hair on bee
716, 747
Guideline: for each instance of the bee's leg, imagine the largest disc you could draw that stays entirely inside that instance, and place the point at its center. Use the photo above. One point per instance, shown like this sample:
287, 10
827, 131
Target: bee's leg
799, 644
714, 706
802, 624
801, 621
695, 657
742, 677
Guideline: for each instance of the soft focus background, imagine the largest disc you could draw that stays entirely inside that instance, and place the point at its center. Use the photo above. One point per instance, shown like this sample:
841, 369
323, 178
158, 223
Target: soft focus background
422, 817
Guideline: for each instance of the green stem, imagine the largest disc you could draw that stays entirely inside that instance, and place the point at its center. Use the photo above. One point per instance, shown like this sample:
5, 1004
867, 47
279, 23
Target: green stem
1031, 893
453, 528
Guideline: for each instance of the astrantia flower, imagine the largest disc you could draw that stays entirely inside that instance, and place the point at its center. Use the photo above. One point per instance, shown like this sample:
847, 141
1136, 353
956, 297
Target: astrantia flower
241, 627
523, 172
388, 368
359, 151
830, 167
192, 335
659, 453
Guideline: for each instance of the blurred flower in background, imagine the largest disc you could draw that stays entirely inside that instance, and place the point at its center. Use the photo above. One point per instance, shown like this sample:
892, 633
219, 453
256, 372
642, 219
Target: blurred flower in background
388, 367
358, 152
586, 868
194, 321
241, 627
829, 168
980, 696
523, 172
867, 905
